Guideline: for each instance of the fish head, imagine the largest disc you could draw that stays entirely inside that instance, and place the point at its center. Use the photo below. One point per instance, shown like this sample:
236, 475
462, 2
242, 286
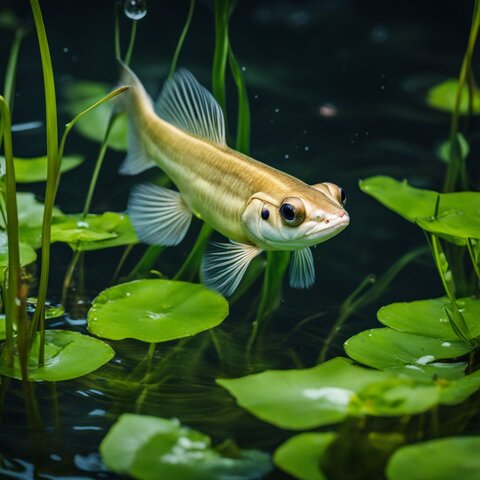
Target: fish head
300, 218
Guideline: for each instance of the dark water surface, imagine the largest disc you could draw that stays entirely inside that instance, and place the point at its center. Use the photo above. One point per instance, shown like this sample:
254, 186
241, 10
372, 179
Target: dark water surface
337, 94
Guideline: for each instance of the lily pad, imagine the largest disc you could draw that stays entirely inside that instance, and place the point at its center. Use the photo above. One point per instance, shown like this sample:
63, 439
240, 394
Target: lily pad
432, 372
409, 202
443, 97
29, 170
386, 348
428, 317
300, 456
149, 448
458, 390
81, 94
444, 459
456, 223
67, 355
155, 310
94, 232
27, 253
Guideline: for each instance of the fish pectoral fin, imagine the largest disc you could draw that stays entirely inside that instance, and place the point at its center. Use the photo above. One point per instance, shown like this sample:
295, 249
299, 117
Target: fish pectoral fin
302, 269
223, 269
191, 107
159, 215
137, 159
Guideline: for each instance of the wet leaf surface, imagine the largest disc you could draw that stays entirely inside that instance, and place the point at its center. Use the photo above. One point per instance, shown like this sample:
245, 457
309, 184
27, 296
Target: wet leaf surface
155, 310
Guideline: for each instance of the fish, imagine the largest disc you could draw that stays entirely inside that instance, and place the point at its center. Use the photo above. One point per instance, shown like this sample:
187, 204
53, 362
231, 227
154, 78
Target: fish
255, 206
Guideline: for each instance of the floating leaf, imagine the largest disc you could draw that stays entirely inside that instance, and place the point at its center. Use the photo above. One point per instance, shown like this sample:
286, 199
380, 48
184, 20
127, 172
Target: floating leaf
67, 355
455, 223
94, 232
443, 97
386, 348
459, 390
444, 459
432, 372
80, 95
27, 253
300, 456
29, 170
149, 448
155, 310
409, 202
443, 150
428, 317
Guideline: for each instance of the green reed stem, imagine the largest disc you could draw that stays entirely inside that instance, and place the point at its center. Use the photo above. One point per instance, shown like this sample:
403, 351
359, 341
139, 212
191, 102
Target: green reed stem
147, 262
12, 294
191, 266
222, 12
131, 43
455, 161
12, 68
52, 155
361, 297
181, 40
121, 262
474, 258
243, 116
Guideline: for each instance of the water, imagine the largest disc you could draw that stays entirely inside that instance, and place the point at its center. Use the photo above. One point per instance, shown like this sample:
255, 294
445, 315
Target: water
337, 94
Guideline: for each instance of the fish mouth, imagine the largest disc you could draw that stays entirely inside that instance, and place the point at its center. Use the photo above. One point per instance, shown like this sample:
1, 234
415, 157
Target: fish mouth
328, 230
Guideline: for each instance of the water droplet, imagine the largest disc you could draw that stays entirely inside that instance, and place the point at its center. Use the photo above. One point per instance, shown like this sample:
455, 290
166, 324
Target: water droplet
307, 148
277, 110
244, 69
287, 156
135, 9
65, 50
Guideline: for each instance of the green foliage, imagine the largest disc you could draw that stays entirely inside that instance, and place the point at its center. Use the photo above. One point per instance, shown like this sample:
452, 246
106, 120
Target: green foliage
29, 170
443, 459
301, 454
79, 95
27, 253
428, 317
148, 448
445, 149
385, 348
155, 311
65, 357
328, 394
443, 97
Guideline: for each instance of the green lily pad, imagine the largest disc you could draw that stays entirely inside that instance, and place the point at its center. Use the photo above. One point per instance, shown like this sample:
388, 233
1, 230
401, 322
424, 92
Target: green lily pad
409, 202
67, 355
27, 253
94, 232
443, 150
300, 456
149, 448
428, 317
455, 223
29, 170
458, 390
432, 372
81, 94
386, 348
30, 218
443, 97
303, 398
327, 394
444, 459
155, 310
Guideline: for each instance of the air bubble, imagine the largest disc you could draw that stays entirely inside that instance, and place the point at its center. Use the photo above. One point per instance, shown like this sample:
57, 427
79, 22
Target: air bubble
135, 9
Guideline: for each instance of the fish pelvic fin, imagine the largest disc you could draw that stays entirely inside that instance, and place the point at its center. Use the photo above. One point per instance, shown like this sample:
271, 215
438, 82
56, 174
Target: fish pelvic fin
302, 269
184, 103
158, 215
223, 269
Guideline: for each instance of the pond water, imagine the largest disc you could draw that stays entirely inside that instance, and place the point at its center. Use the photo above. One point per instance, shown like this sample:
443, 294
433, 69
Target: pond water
337, 93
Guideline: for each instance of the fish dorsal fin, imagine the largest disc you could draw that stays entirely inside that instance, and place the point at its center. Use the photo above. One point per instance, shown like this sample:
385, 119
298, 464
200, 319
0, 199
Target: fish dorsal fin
223, 269
302, 269
191, 107
159, 215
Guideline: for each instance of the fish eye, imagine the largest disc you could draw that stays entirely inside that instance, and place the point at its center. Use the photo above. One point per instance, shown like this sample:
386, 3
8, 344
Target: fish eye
292, 211
343, 196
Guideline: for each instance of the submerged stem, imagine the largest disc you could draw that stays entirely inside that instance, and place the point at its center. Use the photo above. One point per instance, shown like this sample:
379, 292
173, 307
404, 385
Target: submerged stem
181, 40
